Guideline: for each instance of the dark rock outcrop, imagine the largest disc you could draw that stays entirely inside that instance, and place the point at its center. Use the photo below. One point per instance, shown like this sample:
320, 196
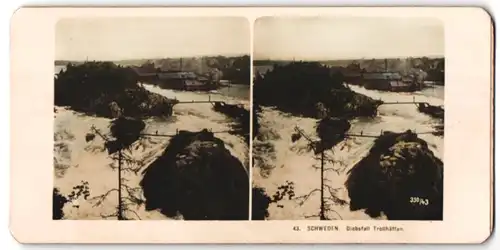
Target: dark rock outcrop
58, 201
400, 177
431, 110
240, 114
260, 204
197, 177
438, 130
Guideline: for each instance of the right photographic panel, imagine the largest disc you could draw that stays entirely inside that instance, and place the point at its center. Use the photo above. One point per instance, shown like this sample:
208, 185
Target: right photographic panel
348, 119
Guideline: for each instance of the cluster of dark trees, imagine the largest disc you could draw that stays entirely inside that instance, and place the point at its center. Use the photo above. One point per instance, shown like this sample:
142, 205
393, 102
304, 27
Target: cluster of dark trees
270, 62
434, 68
65, 62
310, 89
238, 72
91, 87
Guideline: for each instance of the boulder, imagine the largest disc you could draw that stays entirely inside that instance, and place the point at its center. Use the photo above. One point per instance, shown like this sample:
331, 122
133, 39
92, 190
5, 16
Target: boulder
197, 177
431, 110
400, 177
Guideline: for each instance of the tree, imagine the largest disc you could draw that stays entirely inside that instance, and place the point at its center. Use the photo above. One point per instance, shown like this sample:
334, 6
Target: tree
328, 194
237, 71
125, 133
59, 200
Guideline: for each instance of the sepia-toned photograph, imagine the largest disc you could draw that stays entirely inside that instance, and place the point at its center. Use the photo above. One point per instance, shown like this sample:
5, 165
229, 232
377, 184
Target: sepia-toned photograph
349, 116
251, 125
152, 118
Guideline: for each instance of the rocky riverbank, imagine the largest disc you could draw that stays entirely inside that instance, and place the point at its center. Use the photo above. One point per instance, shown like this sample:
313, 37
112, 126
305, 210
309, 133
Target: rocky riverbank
241, 116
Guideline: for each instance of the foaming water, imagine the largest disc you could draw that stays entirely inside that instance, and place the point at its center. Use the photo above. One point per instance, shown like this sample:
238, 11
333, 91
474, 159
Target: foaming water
76, 160
277, 159
197, 116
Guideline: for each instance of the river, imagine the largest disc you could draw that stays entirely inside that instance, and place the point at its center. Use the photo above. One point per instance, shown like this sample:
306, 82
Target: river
277, 159
76, 160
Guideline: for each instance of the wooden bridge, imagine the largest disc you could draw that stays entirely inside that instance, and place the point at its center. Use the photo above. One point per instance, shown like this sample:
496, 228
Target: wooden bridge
177, 132
362, 134
189, 102
392, 103
406, 102
206, 101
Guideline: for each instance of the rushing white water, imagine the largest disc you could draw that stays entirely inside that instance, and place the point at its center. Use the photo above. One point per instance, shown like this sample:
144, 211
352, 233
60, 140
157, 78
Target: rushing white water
77, 160
277, 159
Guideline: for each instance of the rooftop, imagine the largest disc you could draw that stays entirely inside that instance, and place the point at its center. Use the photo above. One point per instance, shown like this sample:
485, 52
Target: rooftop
382, 75
398, 84
177, 75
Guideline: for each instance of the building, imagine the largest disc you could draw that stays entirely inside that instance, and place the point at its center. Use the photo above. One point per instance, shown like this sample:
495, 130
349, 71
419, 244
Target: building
224, 82
148, 77
400, 86
382, 80
182, 80
350, 75
146, 74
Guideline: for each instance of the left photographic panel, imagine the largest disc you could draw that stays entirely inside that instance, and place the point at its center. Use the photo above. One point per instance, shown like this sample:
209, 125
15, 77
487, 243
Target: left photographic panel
151, 119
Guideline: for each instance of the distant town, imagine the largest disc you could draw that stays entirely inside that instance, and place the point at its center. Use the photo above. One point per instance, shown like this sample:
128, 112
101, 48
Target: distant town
390, 74
191, 74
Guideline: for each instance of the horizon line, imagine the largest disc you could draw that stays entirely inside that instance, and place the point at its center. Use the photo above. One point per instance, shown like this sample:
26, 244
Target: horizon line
155, 58
346, 58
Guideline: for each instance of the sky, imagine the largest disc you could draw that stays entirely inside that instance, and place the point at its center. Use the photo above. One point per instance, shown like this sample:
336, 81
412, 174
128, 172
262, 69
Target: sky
319, 38
142, 38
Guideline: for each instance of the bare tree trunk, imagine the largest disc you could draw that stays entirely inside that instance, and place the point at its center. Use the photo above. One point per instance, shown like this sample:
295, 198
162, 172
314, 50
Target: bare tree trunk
322, 206
120, 209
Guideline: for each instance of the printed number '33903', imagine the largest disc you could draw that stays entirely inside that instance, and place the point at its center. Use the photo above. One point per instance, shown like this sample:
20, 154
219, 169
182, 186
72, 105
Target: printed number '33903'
420, 201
